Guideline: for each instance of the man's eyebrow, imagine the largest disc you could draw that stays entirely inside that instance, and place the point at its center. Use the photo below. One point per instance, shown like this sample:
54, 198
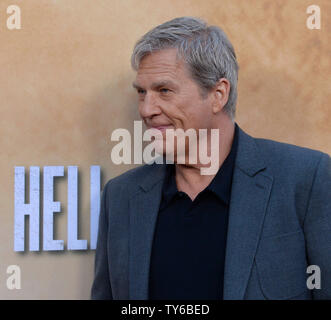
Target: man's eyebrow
157, 84
164, 83
136, 86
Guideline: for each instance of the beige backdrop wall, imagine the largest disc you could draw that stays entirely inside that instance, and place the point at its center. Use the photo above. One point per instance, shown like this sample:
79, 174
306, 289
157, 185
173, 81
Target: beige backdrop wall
65, 85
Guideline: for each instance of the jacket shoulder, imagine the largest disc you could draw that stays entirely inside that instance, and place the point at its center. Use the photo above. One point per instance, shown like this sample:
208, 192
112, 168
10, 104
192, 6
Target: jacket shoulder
285, 155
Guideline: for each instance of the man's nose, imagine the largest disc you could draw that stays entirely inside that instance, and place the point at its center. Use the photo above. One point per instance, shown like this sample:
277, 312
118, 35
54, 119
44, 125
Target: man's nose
149, 107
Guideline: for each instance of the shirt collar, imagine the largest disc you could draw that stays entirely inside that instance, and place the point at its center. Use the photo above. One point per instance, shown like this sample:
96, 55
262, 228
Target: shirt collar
221, 183
169, 186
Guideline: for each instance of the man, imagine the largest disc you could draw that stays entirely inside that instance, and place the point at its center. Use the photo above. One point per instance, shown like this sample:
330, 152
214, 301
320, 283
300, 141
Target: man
248, 231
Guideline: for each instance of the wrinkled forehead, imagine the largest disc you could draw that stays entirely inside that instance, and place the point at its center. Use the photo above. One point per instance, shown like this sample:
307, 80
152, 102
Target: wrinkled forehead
166, 63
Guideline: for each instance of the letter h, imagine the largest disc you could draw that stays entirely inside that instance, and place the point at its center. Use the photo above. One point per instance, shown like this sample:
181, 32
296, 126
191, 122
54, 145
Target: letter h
22, 209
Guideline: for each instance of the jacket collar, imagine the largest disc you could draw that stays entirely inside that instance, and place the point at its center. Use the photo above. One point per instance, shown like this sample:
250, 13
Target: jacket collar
248, 159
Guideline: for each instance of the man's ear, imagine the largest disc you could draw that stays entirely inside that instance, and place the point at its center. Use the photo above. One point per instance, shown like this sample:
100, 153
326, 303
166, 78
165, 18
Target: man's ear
221, 94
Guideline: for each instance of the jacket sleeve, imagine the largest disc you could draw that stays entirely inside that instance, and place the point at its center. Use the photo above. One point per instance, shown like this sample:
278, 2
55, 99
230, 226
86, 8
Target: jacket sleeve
101, 288
317, 228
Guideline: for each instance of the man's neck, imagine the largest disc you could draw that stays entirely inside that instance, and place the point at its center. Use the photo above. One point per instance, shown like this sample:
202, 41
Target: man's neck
189, 178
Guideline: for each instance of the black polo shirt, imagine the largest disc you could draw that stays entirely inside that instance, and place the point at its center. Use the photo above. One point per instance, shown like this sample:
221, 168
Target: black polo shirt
188, 253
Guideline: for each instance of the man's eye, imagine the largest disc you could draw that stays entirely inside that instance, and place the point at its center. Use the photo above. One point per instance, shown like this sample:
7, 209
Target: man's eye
141, 91
164, 90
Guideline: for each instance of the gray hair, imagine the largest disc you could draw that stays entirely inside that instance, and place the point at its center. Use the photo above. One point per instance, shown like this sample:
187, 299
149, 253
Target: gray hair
206, 50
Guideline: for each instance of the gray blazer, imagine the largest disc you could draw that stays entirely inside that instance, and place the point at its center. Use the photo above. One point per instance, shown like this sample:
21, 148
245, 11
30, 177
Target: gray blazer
279, 224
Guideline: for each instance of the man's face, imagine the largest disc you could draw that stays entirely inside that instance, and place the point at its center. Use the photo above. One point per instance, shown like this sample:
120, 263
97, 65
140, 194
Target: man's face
168, 96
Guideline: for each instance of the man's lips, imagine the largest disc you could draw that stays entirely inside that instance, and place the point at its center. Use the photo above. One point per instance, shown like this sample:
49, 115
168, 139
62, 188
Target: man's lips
162, 127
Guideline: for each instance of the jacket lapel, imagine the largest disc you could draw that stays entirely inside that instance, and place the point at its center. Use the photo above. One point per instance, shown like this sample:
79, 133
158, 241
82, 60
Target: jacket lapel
144, 207
251, 187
